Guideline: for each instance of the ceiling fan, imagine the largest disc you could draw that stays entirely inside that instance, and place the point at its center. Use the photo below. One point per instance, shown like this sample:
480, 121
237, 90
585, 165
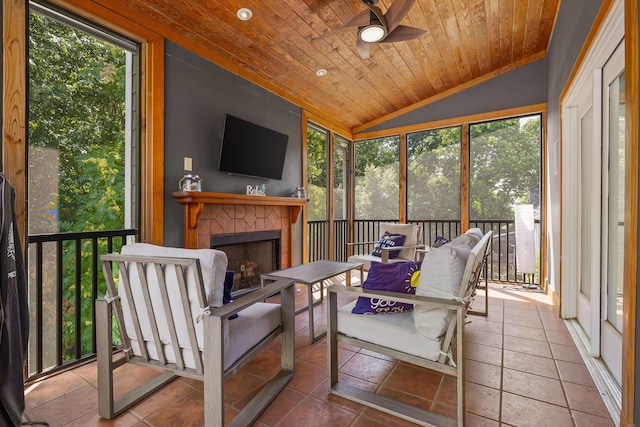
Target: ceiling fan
377, 27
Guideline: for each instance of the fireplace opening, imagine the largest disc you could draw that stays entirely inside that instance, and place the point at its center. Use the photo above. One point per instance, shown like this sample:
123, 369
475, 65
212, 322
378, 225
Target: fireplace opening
249, 255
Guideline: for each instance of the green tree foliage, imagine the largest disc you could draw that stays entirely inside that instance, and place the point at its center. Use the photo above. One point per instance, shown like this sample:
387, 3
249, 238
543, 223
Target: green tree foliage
505, 166
317, 141
376, 152
77, 107
433, 181
340, 177
377, 177
504, 171
317, 157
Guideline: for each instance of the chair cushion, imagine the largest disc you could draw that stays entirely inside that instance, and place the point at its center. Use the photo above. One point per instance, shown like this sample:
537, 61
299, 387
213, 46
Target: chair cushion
388, 240
469, 238
213, 264
440, 277
252, 325
394, 277
408, 230
396, 332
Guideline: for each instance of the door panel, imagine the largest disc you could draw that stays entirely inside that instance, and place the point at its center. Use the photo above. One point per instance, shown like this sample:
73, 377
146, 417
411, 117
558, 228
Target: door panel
613, 212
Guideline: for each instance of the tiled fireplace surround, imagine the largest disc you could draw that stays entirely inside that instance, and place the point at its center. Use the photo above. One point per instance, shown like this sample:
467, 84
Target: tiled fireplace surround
207, 214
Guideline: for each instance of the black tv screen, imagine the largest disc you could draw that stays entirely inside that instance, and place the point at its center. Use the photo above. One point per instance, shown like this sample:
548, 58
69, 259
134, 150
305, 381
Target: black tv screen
250, 149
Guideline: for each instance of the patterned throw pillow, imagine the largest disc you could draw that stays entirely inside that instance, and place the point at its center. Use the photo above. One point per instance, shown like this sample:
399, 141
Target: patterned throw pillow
440, 241
389, 240
393, 277
228, 286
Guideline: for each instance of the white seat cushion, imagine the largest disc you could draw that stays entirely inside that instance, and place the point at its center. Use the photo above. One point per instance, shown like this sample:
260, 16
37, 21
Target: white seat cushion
249, 328
242, 333
394, 331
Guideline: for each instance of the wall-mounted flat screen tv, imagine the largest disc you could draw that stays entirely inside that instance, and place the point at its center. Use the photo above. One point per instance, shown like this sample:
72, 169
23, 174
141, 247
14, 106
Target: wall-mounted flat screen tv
250, 149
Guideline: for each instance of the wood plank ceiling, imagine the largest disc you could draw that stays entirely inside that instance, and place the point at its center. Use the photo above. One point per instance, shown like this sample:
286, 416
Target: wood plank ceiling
466, 42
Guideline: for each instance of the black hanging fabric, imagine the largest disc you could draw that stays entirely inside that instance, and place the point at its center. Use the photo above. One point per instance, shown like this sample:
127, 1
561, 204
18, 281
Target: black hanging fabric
14, 311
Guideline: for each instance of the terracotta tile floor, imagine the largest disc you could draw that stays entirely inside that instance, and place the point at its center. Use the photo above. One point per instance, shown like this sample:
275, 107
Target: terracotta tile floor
522, 369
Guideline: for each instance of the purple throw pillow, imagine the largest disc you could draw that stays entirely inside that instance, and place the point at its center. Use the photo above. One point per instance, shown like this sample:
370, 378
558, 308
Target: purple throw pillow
394, 277
440, 241
389, 240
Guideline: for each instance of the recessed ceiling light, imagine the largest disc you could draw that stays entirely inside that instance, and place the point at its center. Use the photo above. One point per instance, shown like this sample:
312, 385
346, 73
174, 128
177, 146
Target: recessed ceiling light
321, 72
244, 14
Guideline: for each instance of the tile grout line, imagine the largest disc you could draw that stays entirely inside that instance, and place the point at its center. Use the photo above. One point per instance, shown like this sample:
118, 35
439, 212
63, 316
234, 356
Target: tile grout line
555, 365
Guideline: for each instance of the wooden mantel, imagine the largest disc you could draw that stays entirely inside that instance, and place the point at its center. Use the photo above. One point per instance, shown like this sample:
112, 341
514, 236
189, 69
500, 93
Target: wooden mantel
194, 202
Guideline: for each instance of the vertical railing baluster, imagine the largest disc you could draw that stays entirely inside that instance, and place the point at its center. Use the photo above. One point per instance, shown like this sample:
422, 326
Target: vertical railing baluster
39, 307
78, 298
60, 294
94, 289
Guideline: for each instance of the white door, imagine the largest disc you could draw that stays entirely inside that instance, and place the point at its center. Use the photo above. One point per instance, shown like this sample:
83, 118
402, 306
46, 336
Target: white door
613, 170
593, 168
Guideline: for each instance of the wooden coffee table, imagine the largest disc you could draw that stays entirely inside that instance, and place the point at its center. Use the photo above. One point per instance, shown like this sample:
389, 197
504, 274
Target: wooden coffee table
310, 274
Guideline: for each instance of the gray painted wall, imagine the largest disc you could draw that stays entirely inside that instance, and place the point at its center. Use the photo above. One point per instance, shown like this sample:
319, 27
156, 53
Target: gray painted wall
198, 93
574, 22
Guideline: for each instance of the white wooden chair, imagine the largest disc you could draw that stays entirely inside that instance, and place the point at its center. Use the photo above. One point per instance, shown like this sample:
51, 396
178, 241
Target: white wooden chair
413, 233
169, 312
430, 336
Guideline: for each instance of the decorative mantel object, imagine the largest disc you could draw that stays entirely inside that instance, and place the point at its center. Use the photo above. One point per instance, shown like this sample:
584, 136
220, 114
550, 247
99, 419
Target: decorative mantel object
300, 193
190, 182
258, 190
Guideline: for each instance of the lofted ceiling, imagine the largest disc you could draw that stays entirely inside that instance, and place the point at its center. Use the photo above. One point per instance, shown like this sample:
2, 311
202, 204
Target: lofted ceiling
279, 48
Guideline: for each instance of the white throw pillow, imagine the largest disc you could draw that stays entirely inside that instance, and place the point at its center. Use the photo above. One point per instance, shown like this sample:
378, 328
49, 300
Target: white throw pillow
477, 232
469, 239
440, 276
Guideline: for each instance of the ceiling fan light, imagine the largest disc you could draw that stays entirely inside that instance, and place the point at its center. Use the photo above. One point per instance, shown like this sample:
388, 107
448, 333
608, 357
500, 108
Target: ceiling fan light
372, 33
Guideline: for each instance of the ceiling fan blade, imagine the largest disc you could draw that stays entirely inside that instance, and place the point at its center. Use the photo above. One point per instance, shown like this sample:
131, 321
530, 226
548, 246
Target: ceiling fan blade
397, 12
402, 33
364, 50
378, 12
359, 20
